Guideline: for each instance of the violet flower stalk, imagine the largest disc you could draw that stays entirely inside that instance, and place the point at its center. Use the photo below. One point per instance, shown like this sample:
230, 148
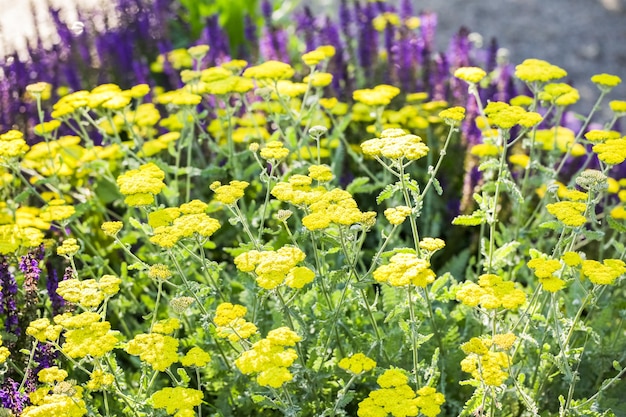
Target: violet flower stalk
56, 301
11, 398
8, 303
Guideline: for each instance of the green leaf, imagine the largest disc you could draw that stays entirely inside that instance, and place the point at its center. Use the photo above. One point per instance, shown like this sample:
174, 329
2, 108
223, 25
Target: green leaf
552, 225
476, 218
437, 186
387, 193
615, 225
593, 234
356, 186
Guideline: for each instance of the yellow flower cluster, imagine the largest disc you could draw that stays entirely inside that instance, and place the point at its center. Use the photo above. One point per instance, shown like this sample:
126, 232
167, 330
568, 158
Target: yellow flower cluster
453, 116
357, 363
274, 150
175, 223
334, 207
544, 270
471, 75
405, 269
155, 349
397, 215
604, 273
57, 210
140, 185
606, 81
491, 292
570, 213
596, 135
195, 357
273, 268
505, 116
321, 173
12, 236
111, 228
536, 70
319, 79
319, 54
99, 379
397, 398
86, 335
381, 21
484, 364
381, 95
559, 94
43, 330
177, 401
12, 146
395, 144
89, 293
57, 398
270, 70
166, 326
612, 151
270, 358
4, 352
229, 194
69, 247
231, 324
430, 244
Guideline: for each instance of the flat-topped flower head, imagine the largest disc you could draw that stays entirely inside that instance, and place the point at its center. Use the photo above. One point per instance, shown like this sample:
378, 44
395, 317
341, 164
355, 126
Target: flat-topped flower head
453, 116
381, 95
606, 82
491, 292
612, 151
395, 144
618, 107
569, 213
597, 135
472, 75
270, 70
274, 150
560, 94
536, 70
603, 273
12, 145
357, 363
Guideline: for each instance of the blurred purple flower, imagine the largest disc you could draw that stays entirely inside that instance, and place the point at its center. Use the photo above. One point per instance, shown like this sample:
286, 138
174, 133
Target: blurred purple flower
8, 302
11, 398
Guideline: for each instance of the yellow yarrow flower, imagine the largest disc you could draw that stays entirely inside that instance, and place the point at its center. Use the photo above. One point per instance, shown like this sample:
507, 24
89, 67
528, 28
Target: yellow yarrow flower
604, 273
357, 364
397, 215
453, 116
99, 379
618, 107
273, 268
272, 70
144, 182
611, 152
69, 247
606, 82
313, 58
274, 150
43, 330
568, 212
431, 244
269, 358
491, 292
381, 95
157, 350
405, 269
176, 400
471, 75
195, 357
395, 144
319, 79
321, 173
597, 135
12, 145
111, 228
231, 193
536, 70
51, 375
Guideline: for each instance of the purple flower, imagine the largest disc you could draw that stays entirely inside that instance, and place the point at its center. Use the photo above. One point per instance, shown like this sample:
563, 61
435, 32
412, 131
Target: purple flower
11, 398
305, 25
57, 302
8, 303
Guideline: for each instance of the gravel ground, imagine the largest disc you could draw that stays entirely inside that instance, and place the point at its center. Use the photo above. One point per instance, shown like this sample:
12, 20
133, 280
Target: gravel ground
585, 37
